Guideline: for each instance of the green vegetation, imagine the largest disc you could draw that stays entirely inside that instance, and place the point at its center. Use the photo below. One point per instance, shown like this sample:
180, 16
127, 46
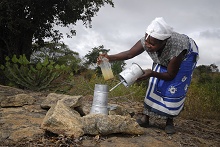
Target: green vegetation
22, 73
82, 85
203, 98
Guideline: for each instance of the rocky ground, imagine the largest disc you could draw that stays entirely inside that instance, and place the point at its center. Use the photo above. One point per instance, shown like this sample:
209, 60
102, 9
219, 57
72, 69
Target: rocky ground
20, 126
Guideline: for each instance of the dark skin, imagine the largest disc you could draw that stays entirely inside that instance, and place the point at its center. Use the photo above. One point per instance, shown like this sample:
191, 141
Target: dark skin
153, 45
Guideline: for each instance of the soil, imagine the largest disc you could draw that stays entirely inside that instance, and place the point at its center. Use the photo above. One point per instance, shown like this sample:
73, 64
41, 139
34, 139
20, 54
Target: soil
203, 132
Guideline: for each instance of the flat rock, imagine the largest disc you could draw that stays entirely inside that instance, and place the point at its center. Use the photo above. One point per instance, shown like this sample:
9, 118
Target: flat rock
52, 98
17, 100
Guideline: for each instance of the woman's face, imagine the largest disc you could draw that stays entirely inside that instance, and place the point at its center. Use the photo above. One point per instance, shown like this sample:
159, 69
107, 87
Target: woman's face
154, 44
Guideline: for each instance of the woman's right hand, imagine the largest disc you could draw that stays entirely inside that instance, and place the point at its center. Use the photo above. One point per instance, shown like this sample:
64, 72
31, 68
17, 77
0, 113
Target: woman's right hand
102, 55
147, 74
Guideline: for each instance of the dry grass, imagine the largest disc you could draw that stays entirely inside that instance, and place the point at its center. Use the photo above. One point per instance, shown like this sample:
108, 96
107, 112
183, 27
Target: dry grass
202, 101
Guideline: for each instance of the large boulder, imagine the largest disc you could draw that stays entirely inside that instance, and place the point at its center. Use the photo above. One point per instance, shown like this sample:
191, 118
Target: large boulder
61, 119
95, 124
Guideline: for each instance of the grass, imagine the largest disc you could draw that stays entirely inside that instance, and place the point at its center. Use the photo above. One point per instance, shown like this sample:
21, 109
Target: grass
203, 101
83, 86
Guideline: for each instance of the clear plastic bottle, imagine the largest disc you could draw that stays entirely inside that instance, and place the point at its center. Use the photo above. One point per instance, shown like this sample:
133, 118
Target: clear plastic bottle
106, 68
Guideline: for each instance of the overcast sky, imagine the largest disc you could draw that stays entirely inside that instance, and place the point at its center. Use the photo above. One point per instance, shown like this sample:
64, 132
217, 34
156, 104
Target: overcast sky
119, 28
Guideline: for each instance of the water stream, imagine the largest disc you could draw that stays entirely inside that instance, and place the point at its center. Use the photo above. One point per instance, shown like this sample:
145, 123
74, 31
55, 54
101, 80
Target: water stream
116, 85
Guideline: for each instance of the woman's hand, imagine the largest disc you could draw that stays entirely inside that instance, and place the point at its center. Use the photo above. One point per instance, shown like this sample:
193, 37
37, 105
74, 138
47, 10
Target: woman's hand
147, 74
102, 55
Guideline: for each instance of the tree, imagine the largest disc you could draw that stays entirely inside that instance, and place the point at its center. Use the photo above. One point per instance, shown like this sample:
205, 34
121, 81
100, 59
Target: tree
202, 73
58, 53
91, 57
214, 68
23, 22
203, 69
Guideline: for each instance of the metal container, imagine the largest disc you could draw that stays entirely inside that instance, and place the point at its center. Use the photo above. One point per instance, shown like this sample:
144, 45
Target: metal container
101, 87
100, 100
99, 110
131, 74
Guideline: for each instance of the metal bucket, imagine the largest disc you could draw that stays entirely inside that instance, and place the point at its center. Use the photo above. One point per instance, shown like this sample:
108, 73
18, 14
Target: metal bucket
130, 75
99, 110
100, 100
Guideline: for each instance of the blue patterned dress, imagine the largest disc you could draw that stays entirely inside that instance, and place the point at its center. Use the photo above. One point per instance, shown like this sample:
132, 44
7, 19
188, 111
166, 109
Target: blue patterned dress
166, 98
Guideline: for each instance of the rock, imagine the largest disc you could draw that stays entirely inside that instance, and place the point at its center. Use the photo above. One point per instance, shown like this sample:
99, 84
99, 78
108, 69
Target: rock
9, 91
52, 98
107, 124
20, 123
27, 133
61, 119
118, 110
22, 117
87, 103
72, 101
17, 100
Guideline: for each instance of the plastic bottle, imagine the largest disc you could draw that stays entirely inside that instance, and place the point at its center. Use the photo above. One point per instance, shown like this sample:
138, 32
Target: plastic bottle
106, 68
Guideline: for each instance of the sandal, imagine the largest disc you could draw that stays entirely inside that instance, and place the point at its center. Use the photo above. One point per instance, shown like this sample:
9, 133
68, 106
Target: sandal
169, 129
142, 124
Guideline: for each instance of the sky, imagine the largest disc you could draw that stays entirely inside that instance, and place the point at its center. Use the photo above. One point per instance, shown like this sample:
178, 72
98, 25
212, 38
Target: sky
119, 28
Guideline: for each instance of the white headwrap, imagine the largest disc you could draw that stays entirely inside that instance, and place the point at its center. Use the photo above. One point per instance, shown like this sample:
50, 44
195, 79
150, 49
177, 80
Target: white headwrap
159, 29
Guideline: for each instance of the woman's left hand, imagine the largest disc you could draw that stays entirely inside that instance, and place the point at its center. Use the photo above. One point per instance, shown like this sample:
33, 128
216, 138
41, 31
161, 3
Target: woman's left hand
147, 74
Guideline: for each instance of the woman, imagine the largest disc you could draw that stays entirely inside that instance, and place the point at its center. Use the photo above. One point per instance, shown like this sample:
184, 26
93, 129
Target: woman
174, 58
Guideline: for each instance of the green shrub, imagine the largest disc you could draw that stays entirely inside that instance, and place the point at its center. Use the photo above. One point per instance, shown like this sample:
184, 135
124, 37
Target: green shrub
19, 71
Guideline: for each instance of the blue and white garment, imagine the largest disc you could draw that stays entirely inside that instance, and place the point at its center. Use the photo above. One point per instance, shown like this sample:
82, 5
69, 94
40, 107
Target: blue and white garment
166, 98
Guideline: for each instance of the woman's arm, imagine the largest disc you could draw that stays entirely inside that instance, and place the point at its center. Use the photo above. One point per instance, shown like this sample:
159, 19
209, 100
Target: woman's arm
172, 69
134, 51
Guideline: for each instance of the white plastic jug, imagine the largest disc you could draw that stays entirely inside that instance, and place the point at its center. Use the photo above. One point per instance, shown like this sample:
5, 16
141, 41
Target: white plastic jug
131, 74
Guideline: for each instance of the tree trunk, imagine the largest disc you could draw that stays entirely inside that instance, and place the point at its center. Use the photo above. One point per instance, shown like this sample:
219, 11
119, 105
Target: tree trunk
15, 45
